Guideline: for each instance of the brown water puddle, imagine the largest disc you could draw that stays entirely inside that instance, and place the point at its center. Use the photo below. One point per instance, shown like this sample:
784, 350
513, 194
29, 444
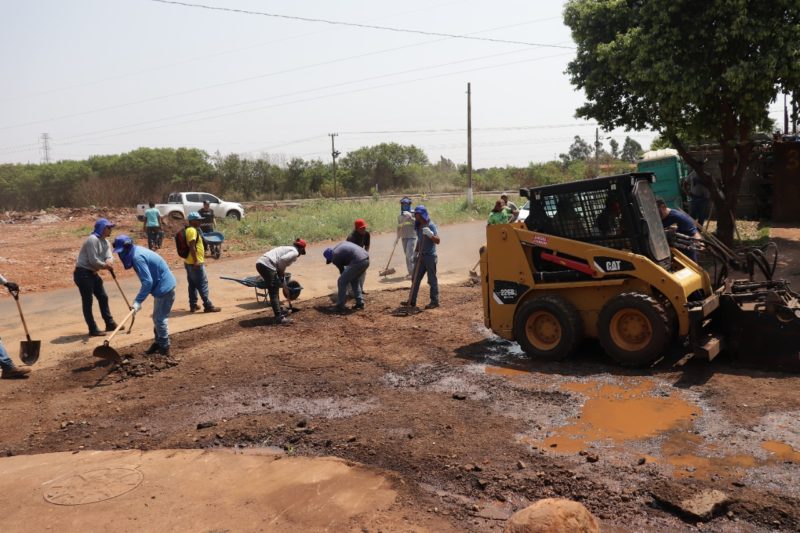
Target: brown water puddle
688, 453
781, 451
618, 414
506, 372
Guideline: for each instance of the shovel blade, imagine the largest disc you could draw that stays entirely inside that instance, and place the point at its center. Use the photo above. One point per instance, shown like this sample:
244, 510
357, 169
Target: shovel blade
29, 351
106, 352
387, 272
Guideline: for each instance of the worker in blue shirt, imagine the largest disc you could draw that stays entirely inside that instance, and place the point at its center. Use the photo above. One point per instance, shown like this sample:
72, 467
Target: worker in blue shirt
685, 224
156, 279
427, 240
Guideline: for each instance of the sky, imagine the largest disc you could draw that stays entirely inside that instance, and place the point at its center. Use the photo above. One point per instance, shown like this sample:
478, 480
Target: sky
109, 76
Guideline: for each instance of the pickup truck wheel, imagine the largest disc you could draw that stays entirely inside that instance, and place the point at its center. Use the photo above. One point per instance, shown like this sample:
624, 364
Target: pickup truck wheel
233, 215
176, 215
548, 327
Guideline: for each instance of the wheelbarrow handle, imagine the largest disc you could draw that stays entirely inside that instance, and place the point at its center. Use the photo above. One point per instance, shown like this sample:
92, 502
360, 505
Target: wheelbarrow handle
15, 294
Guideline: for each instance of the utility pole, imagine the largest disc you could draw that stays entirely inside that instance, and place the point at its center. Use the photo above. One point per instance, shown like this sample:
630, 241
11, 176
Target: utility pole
334, 155
785, 116
597, 152
46, 147
469, 145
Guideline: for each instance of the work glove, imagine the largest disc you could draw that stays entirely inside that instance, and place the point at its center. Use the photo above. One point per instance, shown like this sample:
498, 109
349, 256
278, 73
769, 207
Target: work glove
428, 232
13, 287
136, 307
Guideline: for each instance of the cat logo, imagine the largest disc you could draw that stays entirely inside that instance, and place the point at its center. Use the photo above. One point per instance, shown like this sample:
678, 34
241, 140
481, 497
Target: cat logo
613, 266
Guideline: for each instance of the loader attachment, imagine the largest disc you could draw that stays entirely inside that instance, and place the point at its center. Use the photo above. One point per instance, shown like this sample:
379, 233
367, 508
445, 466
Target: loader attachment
756, 323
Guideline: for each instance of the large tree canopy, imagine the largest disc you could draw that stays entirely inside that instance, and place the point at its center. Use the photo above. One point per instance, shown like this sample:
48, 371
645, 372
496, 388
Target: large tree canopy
689, 70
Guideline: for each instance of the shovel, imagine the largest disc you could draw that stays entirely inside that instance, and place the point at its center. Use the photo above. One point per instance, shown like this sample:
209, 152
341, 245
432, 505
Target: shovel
113, 275
389, 271
473, 273
105, 351
28, 350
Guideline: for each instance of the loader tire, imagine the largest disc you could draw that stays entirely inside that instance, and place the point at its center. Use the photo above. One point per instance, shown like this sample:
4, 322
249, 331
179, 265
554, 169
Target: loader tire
634, 329
548, 327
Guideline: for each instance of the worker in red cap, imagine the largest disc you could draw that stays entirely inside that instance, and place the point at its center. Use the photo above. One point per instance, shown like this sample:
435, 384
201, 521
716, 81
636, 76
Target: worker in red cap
360, 237
272, 268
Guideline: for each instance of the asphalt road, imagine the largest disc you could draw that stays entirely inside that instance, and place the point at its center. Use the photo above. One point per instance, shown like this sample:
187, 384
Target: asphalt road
56, 319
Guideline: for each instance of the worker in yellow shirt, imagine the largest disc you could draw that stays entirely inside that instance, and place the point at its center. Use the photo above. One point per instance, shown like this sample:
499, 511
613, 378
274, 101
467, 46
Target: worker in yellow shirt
195, 266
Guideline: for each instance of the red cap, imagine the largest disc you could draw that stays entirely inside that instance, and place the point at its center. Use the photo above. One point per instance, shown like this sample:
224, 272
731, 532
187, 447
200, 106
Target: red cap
300, 243
360, 223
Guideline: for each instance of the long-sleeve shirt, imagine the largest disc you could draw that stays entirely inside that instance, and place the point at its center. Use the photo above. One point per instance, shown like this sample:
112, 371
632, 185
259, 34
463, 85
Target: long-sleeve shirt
153, 272
428, 247
3, 280
405, 226
346, 253
685, 222
94, 254
361, 240
279, 258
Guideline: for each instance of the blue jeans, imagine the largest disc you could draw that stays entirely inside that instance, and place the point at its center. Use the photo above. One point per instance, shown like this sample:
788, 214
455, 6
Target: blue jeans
5, 360
90, 284
350, 276
198, 283
161, 309
428, 265
408, 250
155, 237
699, 208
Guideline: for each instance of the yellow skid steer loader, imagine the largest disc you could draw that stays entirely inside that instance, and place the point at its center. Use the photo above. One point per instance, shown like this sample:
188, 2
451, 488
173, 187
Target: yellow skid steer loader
593, 260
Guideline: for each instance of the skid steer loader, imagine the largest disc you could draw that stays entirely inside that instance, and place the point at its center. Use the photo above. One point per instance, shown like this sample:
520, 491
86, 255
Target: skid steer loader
593, 260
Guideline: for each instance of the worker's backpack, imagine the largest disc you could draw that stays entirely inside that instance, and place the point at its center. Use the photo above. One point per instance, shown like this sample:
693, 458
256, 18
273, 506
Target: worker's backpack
182, 244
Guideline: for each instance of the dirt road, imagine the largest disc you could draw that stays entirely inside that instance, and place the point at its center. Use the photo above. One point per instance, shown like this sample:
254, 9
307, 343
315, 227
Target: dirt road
465, 427
55, 316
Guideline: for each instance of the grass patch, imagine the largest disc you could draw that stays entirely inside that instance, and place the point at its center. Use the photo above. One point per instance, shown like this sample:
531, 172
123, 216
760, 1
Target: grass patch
323, 220
752, 233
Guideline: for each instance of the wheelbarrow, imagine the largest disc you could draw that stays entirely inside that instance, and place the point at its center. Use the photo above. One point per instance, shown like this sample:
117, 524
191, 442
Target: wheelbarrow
214, 239
291, 289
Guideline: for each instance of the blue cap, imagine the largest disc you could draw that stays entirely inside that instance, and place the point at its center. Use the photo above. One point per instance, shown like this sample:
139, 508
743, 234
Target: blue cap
121, 242
405, 200
328, 255
422, 211
194, 215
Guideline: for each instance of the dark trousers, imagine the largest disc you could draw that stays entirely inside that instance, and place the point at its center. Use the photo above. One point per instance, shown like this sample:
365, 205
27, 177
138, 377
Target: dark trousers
273, 287
90, 284
155, 237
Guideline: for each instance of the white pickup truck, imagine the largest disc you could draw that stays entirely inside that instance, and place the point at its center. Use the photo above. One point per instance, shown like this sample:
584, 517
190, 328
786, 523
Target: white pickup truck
180, 204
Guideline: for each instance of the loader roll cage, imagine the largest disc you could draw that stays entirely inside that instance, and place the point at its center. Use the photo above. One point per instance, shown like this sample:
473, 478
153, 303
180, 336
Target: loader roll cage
616, 212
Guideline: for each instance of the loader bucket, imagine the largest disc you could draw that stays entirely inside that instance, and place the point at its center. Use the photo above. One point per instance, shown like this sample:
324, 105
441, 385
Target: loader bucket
761, 325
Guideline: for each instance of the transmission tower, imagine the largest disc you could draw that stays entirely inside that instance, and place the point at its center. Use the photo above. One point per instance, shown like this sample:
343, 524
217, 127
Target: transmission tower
45, 147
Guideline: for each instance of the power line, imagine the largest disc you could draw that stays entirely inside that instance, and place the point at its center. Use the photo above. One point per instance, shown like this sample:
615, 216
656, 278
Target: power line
358, 25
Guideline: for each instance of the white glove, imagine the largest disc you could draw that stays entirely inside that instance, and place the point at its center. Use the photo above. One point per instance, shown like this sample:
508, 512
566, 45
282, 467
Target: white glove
136, 307
428, 232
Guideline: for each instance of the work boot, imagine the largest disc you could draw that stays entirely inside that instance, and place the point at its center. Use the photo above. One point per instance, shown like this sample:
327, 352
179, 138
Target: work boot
358, 306
163, 350
283, 320
193, 308
152, 349
432, 305
408, 304
15, 373
97, 333
340, 309
212, 309
111, 326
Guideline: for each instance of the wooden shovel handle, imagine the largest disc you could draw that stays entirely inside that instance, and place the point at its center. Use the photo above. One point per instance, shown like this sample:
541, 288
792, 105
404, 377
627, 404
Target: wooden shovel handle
15, 294
119, 326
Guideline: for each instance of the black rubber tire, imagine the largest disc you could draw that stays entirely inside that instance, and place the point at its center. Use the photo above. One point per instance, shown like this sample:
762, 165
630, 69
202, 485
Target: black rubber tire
643, 306
569, 321
233, 215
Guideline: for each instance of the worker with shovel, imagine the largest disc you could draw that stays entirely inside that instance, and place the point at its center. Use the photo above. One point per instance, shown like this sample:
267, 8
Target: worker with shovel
406, 233
95, 255
156, 279
272, 268
9, 371
361, 237
352, 262
427, 240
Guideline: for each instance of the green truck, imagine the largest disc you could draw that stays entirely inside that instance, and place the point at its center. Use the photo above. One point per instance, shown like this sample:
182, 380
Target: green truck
670, 171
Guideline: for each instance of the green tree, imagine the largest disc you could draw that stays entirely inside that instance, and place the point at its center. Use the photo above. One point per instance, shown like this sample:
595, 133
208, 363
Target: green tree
699, 69
385, 165
579, 150
614, 148
631, 150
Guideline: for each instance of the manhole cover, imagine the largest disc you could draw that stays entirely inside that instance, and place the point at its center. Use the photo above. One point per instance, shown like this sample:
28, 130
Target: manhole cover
92, 486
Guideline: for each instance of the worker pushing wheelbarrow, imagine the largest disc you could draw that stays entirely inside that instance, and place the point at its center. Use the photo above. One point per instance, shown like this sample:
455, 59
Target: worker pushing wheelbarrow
273, 278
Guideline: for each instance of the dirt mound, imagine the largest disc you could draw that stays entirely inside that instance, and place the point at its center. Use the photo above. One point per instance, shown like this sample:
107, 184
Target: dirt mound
553, 515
